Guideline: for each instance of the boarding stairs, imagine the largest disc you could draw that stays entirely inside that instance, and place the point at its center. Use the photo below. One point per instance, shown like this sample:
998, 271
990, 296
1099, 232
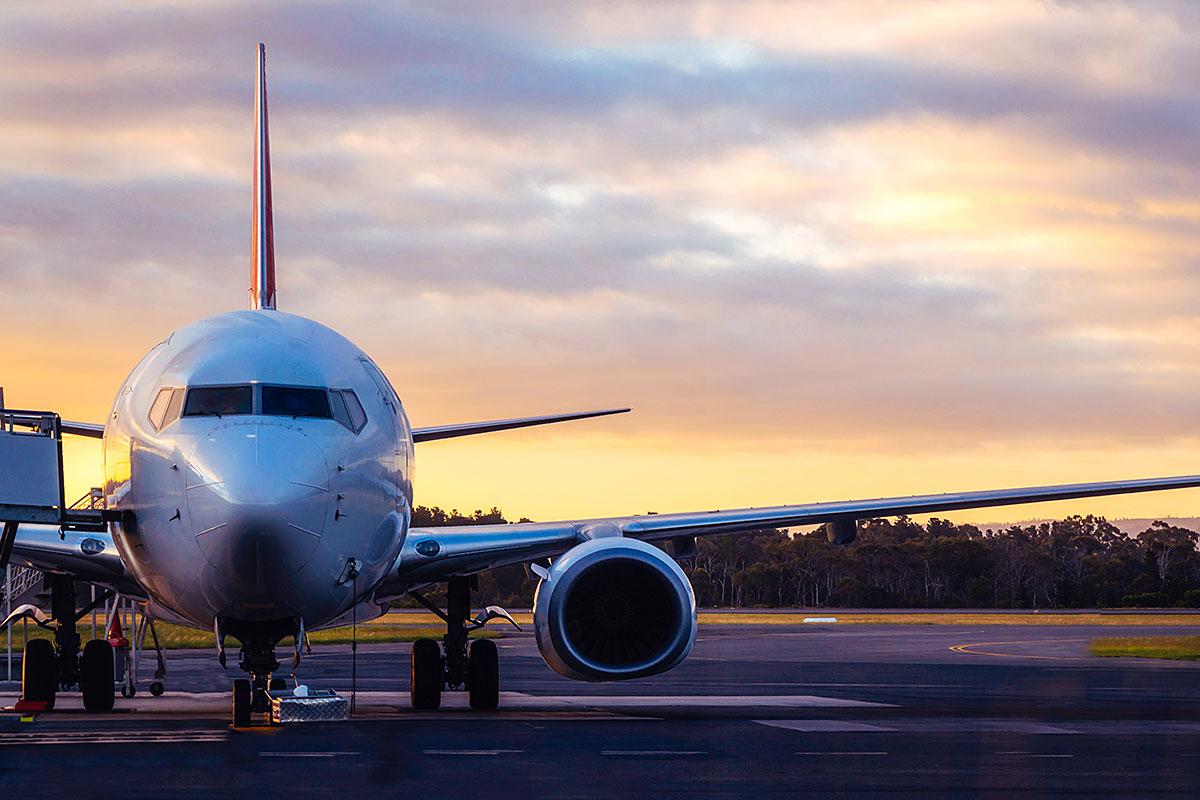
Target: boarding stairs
25, 585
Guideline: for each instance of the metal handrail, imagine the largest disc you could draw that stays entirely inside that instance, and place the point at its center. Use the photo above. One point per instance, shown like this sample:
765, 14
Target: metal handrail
92, 501
23, 579
45, 423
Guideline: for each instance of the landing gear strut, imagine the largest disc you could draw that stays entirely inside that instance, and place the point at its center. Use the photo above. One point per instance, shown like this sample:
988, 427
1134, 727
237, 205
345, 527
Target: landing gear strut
257, 658
462, 662
66, 638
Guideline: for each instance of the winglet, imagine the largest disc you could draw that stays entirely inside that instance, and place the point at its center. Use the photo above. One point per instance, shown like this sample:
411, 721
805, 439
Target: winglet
262, 235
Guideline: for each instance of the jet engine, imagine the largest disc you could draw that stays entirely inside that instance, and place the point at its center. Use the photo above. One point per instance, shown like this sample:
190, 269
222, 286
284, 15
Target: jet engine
612, 609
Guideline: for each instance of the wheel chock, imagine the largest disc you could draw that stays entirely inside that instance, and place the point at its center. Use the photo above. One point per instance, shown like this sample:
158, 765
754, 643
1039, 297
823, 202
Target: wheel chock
29, 709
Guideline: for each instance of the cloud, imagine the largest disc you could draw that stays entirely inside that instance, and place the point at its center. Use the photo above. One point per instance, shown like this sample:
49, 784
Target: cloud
363, 58
935, 227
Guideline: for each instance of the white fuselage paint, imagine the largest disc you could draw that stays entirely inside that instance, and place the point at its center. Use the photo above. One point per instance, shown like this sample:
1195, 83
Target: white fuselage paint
255, 517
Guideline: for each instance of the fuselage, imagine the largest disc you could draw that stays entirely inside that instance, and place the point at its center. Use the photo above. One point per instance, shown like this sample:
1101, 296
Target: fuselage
256, 456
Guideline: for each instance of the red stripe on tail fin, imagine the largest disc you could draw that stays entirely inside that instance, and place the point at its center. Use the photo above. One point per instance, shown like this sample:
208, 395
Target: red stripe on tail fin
262, 235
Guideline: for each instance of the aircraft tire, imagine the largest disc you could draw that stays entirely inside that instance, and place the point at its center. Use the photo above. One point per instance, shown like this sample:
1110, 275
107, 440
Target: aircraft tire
241, 703
425, 686
483, 675
39, 672
96, 673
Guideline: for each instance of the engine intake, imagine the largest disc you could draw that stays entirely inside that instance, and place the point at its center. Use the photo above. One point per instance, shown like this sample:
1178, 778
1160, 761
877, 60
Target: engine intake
613, 609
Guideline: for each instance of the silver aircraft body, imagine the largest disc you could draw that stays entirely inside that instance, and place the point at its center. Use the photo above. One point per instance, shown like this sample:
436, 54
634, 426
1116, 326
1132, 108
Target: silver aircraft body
251, 506
259, 470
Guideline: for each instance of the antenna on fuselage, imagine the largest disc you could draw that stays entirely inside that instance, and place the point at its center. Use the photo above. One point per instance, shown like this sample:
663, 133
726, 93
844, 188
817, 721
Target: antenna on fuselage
262, 234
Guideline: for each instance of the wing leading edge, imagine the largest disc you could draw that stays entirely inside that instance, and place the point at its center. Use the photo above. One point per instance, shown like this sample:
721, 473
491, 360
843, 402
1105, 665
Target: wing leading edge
91, 430
471, 428
466, 549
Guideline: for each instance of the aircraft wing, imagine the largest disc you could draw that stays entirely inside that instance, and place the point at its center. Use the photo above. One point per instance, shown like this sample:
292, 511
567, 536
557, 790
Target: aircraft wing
434, 554
90, 429
428, 434
471, 428
89, 556
32, 420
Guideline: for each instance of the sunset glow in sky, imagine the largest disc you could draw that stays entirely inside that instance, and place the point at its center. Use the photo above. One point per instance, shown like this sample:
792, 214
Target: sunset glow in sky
824, 251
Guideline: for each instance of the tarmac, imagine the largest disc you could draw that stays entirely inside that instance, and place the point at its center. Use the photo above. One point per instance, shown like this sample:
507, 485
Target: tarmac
766, 710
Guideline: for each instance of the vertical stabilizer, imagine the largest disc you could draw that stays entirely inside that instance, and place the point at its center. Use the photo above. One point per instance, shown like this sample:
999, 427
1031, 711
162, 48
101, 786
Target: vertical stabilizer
262, 236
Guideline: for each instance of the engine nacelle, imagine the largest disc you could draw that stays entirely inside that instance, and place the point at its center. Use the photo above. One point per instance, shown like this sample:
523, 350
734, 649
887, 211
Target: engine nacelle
612, 609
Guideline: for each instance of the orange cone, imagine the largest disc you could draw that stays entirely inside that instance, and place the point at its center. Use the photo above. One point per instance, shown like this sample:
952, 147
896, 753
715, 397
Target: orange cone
116, 636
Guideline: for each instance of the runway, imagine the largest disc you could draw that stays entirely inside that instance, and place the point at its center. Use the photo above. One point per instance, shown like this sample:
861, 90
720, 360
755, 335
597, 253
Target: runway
850, 711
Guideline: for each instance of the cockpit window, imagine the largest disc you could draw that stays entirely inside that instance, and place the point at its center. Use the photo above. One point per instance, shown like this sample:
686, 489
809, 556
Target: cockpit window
358, 417
338, 405
158, 410
165, 408
218, 401
174, 407
295, 401
347, 410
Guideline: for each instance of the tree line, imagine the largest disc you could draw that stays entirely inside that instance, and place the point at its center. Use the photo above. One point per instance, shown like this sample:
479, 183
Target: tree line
1077, 562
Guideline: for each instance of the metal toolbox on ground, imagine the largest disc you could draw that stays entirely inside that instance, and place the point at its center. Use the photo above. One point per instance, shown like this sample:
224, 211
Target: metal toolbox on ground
321, 705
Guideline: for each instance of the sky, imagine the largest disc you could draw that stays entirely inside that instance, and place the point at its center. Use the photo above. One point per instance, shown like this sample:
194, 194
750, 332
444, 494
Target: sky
824, 250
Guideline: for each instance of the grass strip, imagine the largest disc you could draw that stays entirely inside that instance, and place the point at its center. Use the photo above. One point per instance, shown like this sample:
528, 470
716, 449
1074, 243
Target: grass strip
1177, 648
177, 637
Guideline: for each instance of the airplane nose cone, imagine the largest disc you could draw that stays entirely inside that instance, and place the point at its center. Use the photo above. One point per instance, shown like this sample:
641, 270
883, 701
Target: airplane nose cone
257, 499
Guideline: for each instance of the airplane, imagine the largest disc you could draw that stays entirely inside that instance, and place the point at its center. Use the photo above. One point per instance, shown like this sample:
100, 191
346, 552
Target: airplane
258, 482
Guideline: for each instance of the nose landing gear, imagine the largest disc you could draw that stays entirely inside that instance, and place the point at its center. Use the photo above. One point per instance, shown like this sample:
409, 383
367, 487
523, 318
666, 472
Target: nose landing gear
257, 658
460, 662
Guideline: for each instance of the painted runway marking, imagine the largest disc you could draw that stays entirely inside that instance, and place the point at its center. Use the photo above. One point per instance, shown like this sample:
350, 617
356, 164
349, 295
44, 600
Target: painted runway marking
653, 752
1023, 726
969, 648
119, 732
821, 725
469, 752
325, 754
876, 685
110, 737
690, 701
1034, 755
842, 753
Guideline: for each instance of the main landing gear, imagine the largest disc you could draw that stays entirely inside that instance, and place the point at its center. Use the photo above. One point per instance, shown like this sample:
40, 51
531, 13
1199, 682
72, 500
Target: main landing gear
459, 662
47, 668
